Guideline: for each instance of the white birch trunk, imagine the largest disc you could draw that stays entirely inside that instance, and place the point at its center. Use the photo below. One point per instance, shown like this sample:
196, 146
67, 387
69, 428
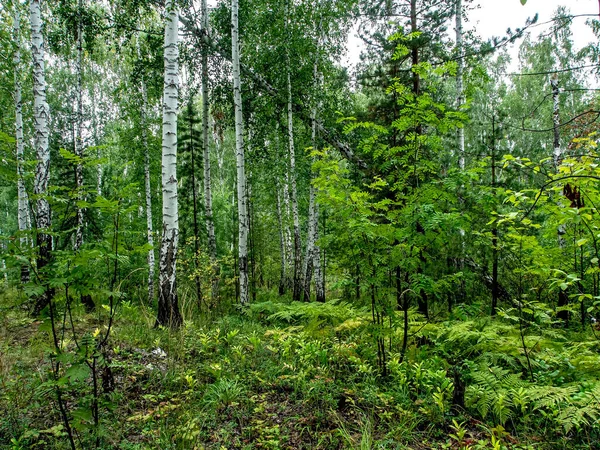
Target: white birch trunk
319, 282
3, 267
41, 113
240, 160
557, 154
79, 128
217, 135
297, 287
282, 244
319, 285
148, 190
249, 225
310, 245
459, 81
208, 212
95, 133
460, 101
22, 201
168, 308
317, 105
313, 218
289, 246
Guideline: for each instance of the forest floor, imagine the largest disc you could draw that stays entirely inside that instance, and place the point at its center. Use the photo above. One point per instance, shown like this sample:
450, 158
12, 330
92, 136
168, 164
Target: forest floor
279, 376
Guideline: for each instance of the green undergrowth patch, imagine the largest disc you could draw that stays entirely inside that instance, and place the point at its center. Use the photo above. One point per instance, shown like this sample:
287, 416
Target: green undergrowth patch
284, 375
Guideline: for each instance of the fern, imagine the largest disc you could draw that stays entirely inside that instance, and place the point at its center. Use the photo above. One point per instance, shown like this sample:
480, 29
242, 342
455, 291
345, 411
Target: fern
549, 396
334, 312
495, 389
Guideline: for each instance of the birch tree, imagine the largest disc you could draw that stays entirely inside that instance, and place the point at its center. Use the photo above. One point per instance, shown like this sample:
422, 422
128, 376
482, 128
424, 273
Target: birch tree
557, 156
86, 299
312, 252
22, 201
168, 308
240, 158
460, 68
41, 113
147, 186
282, 244
208, 211
297, 284
557, 151
79, 126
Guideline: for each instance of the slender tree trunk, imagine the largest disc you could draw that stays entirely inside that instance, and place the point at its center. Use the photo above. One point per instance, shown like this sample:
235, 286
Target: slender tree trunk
495, 291
323, 265
86, 299
282, 249
251, 235
195, 206
240, 157
312, 252
95, 135
148, 191
3, 266
557, 154
234, 241
310, 244
208, 212
22, 201
297, 286
289, 247
168, 307
415, 49
41, 113
422, 301
79, 127
459, 80
461, 131
563, 298
319, 270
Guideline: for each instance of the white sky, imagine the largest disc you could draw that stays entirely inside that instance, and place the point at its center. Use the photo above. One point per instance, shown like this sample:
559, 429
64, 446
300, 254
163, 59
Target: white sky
494, 17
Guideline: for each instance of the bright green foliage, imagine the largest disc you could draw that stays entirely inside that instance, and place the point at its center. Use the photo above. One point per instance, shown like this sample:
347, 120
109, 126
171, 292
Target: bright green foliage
408, 351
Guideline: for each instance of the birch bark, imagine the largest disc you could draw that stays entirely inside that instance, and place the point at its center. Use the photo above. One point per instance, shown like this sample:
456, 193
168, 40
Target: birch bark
208, 212
148, 190
319, 282
459, 81
191, 145
282, 249
22, 201
312, 253
319, 269
41, 113
168, 307
289, 246
94, 125
79, 128
297, 285
563, 297
557, 154
240, 157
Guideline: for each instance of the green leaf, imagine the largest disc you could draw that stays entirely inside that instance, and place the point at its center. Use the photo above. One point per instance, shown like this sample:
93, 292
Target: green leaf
78, 372
83, 414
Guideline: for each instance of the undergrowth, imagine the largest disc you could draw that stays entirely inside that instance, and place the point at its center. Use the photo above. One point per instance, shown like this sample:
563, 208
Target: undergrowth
285, 375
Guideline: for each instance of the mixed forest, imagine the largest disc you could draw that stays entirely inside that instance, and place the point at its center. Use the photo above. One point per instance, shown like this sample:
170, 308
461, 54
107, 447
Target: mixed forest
215, 233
